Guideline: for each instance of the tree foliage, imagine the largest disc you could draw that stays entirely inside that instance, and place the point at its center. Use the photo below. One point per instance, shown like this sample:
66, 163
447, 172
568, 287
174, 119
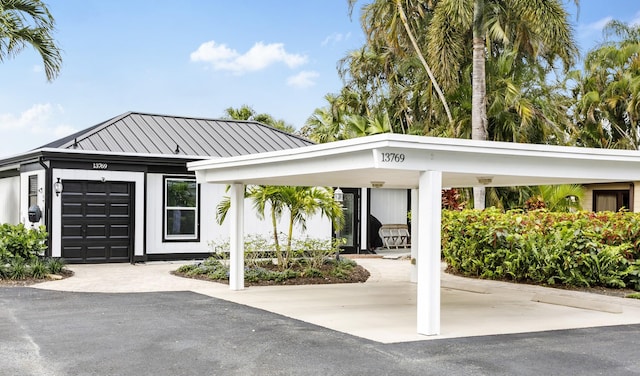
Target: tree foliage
28, 23
245, 112
607, 91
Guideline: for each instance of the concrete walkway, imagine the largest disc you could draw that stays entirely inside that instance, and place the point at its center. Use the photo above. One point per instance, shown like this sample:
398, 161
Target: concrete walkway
384, 308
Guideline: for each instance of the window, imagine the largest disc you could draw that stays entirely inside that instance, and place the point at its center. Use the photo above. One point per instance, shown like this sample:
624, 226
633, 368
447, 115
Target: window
612, 200
33, 190
181, 209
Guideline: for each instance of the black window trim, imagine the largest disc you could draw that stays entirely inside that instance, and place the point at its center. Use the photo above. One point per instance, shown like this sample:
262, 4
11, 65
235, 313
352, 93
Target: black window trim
165, 238
619, 197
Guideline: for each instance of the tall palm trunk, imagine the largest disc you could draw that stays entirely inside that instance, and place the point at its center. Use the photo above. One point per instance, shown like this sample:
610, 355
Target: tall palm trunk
479, 90
274, 222
405, 23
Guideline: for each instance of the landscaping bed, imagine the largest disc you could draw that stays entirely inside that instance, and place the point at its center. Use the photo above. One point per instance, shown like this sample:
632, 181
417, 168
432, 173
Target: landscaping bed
266, 273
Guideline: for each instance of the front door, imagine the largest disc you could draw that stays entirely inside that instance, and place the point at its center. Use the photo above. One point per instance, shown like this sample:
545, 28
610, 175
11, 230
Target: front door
351, 209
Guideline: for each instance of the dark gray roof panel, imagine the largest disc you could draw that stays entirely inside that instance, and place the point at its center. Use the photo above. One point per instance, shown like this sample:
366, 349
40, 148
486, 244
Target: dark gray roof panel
143, 133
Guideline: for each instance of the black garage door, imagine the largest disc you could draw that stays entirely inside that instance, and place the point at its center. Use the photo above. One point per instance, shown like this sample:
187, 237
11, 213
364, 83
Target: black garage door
97, 221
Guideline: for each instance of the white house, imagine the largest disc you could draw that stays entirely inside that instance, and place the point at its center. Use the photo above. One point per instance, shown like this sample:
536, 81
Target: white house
125, 193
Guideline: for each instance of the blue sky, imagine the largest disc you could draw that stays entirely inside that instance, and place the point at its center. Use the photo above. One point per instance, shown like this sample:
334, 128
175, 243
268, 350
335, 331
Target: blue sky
196, 58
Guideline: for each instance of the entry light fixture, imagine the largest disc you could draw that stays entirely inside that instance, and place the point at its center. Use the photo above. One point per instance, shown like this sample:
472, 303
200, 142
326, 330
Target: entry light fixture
377, 184
338, 195
484, 180
57, 187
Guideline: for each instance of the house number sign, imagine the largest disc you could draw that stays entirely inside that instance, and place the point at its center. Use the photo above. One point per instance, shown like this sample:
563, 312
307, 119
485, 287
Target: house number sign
100, 166
392, 157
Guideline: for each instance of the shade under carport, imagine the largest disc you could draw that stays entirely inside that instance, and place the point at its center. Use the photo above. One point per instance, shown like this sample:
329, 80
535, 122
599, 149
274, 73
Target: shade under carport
423, 164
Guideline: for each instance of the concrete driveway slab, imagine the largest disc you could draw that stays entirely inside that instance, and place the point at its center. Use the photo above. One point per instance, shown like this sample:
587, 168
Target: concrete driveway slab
384, 308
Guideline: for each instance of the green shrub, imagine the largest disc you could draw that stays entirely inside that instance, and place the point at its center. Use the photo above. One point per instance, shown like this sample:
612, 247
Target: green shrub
19, 241
38, 269
186, 268
55, 265
18, 269
312, 272
578, 249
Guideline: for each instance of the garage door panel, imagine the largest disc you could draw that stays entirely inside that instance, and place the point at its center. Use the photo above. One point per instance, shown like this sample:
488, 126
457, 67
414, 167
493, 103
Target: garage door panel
98, 208
97, 221
94, 231
119, 210
72, 231
119, 252
120, 231
73, 253
71, 208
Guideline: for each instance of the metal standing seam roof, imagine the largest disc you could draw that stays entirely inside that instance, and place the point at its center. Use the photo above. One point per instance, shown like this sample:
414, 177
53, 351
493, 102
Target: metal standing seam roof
135, 132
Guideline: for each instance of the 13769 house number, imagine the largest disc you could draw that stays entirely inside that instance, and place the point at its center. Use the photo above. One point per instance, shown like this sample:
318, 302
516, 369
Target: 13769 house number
392, 157
100, 166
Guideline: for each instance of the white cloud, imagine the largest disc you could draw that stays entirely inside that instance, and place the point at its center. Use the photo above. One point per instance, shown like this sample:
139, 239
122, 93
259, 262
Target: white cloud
303, 79
35, 116
593, 28
259, 57
335, 38
36, 126
36, 120
37, 69
597, 26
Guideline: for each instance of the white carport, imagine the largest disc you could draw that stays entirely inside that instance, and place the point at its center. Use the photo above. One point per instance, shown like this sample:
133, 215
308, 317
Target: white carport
423, 164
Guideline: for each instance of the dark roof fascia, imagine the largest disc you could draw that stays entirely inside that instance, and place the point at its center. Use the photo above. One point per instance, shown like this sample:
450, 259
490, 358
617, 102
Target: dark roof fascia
23, 158
136, 158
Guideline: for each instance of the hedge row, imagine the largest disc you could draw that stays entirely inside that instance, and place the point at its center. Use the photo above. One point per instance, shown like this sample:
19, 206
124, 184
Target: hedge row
575, 249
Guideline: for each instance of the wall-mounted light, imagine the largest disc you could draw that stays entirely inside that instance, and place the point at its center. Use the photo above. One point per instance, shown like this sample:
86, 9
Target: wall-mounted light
377, 184
57, 187
484, 180
338, 195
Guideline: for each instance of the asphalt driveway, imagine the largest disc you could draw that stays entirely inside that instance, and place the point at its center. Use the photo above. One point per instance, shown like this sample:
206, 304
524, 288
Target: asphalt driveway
184, 333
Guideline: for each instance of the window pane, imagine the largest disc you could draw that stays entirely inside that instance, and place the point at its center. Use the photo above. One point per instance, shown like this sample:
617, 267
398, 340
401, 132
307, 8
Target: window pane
181, 222
33, 190
606, 202
181, 194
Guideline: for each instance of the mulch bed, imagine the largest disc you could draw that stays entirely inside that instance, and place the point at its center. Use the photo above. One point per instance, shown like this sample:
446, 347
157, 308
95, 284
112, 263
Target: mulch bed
358, 275
31, 281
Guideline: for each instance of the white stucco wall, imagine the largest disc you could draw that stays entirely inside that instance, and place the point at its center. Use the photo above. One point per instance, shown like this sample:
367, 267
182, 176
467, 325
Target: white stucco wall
389, 205
210, 231
10, 200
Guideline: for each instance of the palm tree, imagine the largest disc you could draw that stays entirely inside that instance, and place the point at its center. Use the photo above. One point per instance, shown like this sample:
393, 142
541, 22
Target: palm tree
607, 91
245, 112
28, 22
383, 17
534, 29
300, 202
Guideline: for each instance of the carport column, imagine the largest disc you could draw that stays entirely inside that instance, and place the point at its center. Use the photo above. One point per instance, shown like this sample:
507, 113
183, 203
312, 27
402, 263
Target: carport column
236, 241
428, 261
415, 234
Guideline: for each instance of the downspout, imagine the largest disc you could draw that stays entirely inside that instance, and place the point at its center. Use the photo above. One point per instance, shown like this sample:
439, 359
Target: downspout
48, 182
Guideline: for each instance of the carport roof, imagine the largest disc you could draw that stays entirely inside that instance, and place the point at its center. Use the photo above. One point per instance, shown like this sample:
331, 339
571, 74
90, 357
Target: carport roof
395, 161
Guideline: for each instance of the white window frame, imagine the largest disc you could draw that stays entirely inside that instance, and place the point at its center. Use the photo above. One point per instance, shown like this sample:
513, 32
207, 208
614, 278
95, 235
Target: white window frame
166, 208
